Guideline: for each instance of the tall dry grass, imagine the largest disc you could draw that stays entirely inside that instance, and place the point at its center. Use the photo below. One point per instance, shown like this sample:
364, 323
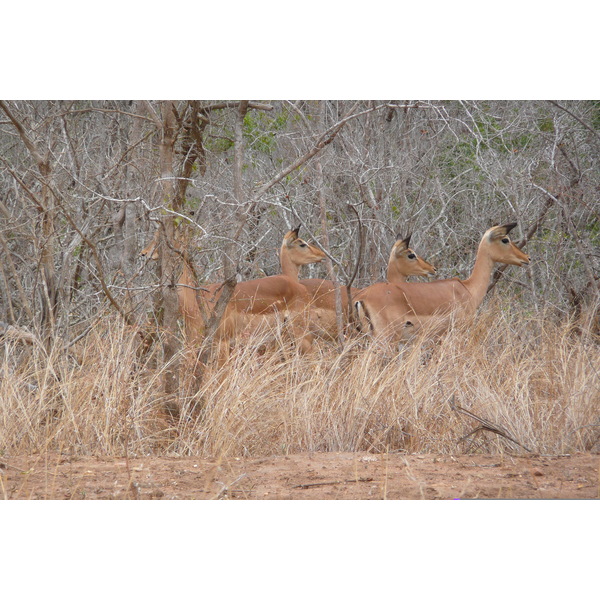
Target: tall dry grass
533, 377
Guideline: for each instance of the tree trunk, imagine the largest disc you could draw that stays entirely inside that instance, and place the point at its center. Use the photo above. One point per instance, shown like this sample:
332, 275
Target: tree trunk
169, 263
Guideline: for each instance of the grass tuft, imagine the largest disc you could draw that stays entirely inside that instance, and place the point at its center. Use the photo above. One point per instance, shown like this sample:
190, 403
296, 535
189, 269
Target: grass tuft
533, 377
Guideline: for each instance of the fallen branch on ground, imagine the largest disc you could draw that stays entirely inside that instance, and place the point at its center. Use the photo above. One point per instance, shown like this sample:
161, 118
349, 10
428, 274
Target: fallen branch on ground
485, 425
309, 485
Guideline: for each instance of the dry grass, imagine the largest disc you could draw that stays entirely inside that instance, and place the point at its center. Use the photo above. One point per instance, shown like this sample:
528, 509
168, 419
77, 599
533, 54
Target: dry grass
536, 379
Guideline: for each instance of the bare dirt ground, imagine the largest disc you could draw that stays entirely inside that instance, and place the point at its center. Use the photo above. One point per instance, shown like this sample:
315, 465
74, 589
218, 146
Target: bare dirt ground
323, 476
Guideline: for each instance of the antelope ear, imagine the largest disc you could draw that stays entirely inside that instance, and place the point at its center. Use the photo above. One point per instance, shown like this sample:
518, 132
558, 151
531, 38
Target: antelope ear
402, 244
406, 240
291, 236
501, 230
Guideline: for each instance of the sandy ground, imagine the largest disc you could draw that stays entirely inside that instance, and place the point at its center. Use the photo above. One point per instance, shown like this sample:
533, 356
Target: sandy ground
323, 476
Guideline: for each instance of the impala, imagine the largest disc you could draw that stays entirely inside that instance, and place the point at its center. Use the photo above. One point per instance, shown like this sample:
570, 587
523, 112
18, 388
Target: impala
394, 311
402, 263
274, 296
186, 291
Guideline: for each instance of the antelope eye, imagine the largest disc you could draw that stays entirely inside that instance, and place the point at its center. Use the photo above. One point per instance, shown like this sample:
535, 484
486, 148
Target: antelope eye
505, 240
302, 245
411, 256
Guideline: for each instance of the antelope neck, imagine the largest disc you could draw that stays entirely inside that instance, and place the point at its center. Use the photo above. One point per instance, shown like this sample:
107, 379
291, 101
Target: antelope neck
393, 273
477, 284
288, 267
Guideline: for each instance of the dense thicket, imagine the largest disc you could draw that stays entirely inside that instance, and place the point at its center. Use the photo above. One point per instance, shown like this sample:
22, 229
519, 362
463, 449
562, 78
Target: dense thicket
84, 186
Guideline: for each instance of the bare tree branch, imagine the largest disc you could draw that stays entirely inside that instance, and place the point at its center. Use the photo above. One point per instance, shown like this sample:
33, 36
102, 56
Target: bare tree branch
593, 131
326, 138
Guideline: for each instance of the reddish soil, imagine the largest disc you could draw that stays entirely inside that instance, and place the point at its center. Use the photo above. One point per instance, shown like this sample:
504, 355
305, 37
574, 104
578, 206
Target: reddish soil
325, 476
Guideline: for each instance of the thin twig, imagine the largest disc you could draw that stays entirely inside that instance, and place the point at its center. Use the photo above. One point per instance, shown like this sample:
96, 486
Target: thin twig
305, 486
227, 486
350, 317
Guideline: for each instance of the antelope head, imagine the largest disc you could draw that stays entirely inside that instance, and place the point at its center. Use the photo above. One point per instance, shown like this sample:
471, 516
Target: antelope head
501, 249
408, 262
299, 251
